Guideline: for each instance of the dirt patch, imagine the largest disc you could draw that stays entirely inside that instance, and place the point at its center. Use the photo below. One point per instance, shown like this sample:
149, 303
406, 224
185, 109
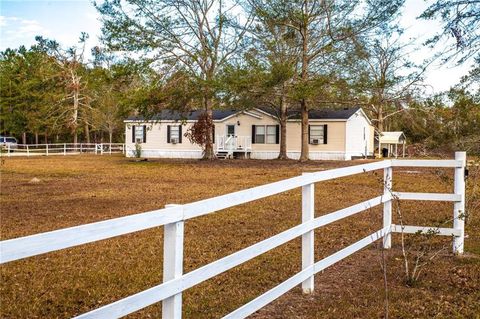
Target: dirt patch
82, 189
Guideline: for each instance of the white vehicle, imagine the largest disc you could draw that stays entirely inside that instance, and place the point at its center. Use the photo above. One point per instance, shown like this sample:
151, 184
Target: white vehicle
8, 143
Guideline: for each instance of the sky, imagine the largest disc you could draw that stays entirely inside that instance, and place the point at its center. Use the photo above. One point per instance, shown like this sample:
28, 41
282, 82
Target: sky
64, 20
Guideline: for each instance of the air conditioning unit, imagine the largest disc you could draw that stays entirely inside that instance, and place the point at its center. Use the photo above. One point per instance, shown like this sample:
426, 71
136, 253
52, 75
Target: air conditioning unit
174, 140
315, 141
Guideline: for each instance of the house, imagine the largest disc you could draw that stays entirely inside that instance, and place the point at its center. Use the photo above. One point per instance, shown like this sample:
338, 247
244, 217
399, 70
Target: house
333, 134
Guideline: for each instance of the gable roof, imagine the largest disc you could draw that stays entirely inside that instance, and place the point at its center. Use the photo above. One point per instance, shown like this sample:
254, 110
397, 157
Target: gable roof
332, 114
320, 114
173, 115
392, 137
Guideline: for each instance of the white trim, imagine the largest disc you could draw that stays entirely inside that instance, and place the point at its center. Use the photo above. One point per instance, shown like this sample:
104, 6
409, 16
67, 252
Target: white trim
246, 112
318, 120
364, 115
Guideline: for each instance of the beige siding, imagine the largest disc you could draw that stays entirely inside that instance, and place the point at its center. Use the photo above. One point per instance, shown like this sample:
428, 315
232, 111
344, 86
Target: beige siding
335, 137
157, 135
336, 133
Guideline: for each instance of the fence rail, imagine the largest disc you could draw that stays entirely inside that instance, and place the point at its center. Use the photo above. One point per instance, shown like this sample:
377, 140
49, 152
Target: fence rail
62, 149
173, 216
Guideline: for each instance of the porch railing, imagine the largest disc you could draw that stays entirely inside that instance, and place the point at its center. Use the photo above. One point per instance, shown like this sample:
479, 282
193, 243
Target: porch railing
233, 143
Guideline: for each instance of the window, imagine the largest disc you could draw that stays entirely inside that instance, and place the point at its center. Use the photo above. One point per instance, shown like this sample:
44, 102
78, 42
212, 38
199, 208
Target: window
260, 134
139, 133
265, 134
230, 130
271, 134
316, 134
175, 132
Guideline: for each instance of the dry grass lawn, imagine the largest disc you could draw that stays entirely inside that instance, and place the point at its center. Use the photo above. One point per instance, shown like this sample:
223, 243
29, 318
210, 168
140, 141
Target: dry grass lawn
81, 189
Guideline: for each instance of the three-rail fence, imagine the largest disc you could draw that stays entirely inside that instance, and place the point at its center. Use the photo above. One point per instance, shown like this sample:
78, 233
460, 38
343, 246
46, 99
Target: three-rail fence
62, 149
172, 217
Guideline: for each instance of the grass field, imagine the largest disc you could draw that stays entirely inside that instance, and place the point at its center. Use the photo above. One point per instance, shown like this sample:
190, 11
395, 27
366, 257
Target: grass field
81, 189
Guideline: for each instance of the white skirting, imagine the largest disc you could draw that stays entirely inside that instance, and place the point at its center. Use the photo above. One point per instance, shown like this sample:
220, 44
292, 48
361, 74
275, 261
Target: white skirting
195, 154
192, 154
296, 155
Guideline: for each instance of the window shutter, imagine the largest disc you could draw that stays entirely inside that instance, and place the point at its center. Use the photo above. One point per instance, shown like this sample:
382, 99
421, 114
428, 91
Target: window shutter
325, 134
213, 133
133, 133
168, 133
180, 134
253, 134
309, 134
277, 134
144, 134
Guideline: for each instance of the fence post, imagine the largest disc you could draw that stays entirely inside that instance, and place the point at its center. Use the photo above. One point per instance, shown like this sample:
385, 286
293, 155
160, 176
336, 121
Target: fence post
64, 149
110, 148
28, 151
387, 206
46, 149
101, 149
459, 207
308, 213
81, 148
172, 265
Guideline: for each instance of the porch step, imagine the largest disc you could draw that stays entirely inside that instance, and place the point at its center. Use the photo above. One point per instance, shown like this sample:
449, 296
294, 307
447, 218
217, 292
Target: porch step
222, 155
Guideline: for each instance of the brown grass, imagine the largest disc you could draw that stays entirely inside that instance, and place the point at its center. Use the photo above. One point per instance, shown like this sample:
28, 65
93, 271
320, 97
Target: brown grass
78, 190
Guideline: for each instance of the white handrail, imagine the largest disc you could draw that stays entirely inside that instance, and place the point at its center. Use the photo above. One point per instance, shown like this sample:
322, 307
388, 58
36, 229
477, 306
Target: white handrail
173, 218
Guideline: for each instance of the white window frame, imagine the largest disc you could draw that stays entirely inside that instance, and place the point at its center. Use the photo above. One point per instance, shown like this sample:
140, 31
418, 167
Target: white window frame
270, 135
174, 132
139, 133
262, 135
317, 136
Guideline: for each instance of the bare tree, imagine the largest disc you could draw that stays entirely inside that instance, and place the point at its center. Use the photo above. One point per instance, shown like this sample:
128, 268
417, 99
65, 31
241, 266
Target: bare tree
195, 36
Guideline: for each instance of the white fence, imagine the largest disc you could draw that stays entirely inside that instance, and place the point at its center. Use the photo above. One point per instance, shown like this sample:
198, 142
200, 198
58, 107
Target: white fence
173, 216
63, 149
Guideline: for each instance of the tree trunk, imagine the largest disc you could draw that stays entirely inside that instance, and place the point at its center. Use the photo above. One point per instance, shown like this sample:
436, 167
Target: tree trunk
87, 133
36, 138
304, 155
110, 136
380, 119
46, 137
24, 138
76, 104
304, 107
283, 127
208, 153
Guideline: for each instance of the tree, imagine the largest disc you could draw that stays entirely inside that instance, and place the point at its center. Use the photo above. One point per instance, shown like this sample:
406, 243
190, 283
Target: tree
265, 75
27, 89
194, 37
460, 20
71, 67
323, 27
386, 79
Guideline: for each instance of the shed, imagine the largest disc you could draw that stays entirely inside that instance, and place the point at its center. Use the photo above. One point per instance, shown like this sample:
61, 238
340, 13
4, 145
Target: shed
390, 142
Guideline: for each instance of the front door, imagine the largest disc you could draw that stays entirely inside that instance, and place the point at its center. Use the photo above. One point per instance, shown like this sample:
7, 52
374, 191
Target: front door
230, 137
230, 130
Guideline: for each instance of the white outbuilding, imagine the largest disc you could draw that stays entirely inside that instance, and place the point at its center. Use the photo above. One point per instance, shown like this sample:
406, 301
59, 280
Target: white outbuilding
390, 141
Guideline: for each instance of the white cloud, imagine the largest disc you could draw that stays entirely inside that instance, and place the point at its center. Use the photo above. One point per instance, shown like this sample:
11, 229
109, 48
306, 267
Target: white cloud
16, 30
